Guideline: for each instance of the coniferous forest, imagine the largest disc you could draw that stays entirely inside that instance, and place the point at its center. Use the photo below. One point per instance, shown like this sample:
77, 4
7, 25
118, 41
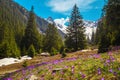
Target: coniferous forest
23, 33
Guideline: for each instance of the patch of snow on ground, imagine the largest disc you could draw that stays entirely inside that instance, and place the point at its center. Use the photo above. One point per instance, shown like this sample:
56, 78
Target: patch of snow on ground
8, 61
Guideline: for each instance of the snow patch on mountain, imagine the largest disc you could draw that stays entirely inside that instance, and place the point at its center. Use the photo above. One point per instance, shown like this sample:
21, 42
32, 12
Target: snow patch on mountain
60, 23
50, 20
90, 26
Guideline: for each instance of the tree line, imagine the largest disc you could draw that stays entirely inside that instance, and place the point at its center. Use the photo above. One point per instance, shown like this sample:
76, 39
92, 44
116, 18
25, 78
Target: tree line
108, 31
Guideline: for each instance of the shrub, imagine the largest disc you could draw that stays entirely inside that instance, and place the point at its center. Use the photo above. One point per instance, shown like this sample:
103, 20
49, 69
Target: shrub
62, 52
31, 51
25, 64
53, 51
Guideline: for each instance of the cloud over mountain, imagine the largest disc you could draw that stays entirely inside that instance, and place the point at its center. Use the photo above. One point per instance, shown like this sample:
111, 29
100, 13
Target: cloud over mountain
64, 6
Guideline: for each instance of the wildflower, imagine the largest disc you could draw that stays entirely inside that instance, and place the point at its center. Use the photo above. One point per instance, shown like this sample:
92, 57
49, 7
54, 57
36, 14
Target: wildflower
83, 75
102, 79
110, 53
96, 56
111, 58
61, 71
105, 64
72, 69
111, 70
66, 67
115, 73
23, 72
99, 71
7, 79
119, 68
107, 61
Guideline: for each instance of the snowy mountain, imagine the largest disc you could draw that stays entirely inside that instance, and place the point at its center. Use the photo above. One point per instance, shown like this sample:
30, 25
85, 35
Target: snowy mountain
50, 20
89, 27
61, 25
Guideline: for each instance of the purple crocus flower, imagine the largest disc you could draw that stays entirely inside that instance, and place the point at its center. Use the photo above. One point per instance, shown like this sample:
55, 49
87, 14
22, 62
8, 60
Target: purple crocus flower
83, 75
115, 73
109, 53
96, 56
111, 70
107, 61
7, 79
99, 71
102, 79
112, 58
72, 69
119, 68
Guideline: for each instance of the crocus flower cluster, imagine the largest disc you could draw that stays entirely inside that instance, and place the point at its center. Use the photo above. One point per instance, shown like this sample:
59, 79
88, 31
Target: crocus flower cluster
95, 64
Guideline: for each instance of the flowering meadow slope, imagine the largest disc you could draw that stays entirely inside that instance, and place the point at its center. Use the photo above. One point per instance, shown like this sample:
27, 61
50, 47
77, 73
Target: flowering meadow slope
93, 67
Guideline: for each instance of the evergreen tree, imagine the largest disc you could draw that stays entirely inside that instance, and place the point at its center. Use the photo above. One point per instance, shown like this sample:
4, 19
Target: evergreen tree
98, 32
105, 40
75, 38
110, 28
93, 37
32, 36
62, 52
112, 10
52, 39
31, 51
88, 40
8, 46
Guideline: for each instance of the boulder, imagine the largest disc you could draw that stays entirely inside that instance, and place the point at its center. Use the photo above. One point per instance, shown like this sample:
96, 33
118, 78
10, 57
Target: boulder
45, 54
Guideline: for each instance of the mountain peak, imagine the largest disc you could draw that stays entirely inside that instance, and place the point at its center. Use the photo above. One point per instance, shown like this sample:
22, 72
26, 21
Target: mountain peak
50, 20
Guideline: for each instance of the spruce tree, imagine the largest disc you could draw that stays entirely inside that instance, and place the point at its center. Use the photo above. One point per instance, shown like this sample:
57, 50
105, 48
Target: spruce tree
32, 35
112, 10
75, 38
110, 27
31, 51
105, 40
8, 46
98, 32
93, 37
52, 39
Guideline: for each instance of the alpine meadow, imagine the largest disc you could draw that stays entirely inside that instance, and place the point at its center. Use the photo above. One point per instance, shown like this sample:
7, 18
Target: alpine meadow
59, 39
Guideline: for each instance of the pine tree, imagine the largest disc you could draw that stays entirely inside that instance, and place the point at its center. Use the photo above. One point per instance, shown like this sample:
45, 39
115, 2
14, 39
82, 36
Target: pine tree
32, 36
98, 32
8, 46
93, 37
88, 40
52, 40
110, 26
112, 10
103, 37
31, 51
75, 38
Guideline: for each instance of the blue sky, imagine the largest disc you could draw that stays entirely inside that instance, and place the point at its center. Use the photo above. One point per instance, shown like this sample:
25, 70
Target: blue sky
89, 9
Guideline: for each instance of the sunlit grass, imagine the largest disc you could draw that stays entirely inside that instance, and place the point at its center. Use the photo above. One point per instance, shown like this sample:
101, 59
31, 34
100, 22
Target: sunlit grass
94, 67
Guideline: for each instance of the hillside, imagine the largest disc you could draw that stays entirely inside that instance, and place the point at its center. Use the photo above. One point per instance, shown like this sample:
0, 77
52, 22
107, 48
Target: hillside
79, 65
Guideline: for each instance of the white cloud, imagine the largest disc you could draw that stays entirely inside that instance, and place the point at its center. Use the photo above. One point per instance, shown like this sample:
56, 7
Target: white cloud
64, 6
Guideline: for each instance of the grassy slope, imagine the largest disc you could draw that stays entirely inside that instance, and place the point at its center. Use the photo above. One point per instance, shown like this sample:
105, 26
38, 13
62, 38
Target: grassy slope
82, 66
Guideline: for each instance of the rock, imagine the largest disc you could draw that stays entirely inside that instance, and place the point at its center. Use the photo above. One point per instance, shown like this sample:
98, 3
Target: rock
45, 54
57, 69
33, 77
